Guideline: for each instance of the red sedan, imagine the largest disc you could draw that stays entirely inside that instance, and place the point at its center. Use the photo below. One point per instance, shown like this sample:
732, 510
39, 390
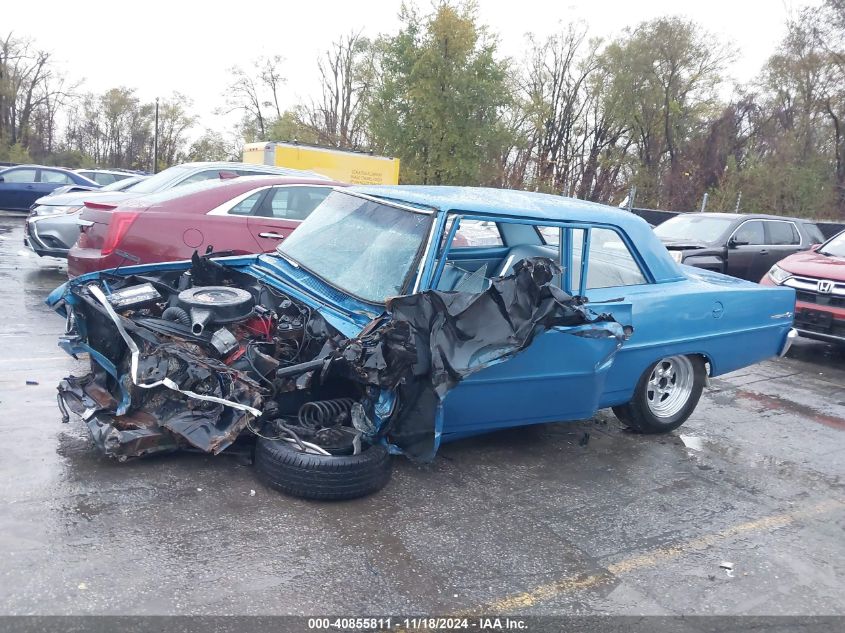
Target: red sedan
241, 216
818, 276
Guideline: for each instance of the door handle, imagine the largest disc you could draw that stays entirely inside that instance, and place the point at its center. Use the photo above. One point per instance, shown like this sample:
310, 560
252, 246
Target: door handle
272, 236
763, 252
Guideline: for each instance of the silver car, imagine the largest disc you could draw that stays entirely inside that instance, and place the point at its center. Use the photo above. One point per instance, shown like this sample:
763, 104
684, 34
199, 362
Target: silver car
52, 228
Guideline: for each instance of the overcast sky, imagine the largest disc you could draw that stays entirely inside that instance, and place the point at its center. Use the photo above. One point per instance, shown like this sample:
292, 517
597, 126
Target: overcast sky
157, 47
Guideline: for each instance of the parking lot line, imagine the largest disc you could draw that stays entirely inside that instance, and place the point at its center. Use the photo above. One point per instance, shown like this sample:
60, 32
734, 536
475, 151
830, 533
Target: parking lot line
651, 559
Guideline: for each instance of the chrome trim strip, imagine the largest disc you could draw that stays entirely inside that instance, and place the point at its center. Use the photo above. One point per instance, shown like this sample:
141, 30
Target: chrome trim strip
810, 284
795, 226
421, 268
390, 202
225, 207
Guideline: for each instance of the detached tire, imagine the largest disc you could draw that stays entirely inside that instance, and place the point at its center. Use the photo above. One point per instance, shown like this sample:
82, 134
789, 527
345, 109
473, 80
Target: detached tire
324, 477
666, 395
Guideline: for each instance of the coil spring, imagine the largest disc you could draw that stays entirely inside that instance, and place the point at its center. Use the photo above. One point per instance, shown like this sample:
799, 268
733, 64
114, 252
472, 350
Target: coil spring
323, 412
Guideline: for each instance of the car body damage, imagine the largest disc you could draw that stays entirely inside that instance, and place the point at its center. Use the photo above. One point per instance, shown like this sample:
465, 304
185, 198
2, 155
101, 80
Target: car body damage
169, 375
397, 318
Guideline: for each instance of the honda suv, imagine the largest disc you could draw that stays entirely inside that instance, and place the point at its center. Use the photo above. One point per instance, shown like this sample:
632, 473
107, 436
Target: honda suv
818, 276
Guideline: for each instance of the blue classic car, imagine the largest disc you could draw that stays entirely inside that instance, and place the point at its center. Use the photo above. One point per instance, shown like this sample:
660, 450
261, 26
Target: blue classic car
397, 318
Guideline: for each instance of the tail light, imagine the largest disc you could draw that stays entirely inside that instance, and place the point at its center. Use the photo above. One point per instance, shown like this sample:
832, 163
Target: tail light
118, 227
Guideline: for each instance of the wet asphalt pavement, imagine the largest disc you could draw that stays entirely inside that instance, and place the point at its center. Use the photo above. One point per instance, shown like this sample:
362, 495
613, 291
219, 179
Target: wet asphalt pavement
559, 519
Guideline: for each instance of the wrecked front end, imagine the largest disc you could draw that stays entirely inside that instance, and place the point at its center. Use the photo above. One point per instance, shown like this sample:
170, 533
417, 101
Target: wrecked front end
195, 356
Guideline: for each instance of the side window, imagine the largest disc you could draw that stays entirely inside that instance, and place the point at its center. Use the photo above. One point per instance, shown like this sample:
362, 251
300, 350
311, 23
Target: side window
475, 233
55, 177
783, 233
814, 233
295, 203
610, 263
199, 176
751, 233
104, 179
20, 175
550, 235
245, 206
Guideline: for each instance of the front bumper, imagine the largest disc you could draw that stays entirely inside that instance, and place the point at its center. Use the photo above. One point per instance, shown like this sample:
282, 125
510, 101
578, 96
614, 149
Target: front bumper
820, 322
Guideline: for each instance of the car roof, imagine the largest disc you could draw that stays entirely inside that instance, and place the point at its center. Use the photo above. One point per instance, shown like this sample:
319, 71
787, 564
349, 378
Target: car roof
28, 166
537, 207
105, 171
270, 169
508, 202
749, 216
219, 189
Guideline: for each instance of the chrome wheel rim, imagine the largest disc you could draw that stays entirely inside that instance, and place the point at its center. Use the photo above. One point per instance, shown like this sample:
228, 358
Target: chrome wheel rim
669, 386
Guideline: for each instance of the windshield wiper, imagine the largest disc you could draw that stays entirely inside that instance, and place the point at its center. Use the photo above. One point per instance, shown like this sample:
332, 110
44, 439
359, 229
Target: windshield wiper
290, 261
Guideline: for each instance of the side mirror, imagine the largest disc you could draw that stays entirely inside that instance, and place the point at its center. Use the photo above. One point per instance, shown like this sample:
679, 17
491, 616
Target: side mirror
733, 243
227, 175
2, 179
815, 247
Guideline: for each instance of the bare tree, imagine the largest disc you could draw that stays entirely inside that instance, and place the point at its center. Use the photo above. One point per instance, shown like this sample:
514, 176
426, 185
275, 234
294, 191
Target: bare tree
31, 91
252, 93
336, 117
555, 87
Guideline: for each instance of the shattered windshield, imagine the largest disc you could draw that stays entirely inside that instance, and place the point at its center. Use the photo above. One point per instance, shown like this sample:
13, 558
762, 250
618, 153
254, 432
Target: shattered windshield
365, 248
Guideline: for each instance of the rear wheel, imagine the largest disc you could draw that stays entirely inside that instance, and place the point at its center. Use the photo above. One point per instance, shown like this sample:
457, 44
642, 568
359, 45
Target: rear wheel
666, 395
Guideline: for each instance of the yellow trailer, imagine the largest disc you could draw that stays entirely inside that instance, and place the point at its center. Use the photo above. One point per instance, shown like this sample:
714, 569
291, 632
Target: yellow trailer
358, 168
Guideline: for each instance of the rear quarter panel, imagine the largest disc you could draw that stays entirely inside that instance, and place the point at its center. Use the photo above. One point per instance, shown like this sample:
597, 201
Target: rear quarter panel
174, 231
731, 322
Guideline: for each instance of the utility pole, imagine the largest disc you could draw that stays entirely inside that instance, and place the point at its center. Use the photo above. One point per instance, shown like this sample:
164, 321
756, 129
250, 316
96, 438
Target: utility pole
155, 143
704, 202
632, 193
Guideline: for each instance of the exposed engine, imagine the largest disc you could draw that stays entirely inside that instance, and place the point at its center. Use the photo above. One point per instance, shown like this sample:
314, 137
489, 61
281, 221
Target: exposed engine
193, 358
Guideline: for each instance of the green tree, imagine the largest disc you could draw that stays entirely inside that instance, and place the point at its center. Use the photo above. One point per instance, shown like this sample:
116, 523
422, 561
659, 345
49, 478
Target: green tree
212, 146
794, 159
291, 126
665, 75
438, 96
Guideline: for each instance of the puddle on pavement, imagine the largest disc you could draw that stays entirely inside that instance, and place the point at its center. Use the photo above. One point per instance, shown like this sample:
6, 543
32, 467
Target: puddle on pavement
777, 403
692, 442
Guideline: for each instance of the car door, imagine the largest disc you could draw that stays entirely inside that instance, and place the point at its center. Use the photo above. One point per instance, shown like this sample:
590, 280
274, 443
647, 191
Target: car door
782, 239
17, 188
281, 211
747, 249
227, 228
559, 376
618, 283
